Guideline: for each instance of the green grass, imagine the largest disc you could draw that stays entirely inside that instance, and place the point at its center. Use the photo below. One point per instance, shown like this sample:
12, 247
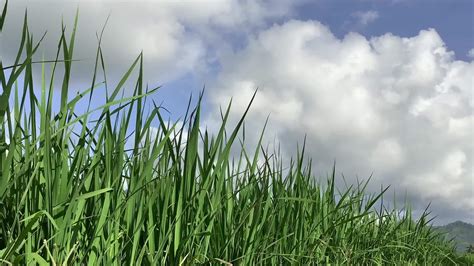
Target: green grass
103, 187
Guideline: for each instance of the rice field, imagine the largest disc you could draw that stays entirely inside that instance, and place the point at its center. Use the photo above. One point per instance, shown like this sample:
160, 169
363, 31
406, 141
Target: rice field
104, 187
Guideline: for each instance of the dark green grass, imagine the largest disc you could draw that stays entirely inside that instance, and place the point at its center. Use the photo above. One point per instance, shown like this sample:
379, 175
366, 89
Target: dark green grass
111, 190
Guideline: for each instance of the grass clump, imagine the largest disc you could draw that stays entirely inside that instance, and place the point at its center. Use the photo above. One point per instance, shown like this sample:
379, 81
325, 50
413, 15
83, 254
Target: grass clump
72, 191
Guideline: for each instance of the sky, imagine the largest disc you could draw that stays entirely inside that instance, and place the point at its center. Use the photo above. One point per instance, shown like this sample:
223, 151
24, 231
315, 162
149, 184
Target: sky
383, 87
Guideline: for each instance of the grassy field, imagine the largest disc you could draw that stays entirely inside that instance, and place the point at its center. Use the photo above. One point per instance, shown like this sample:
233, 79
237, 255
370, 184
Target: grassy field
104, 187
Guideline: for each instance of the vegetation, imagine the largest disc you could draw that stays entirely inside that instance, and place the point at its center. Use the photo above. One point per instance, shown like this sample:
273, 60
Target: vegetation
468, 257
462, 232
104, 187
463, 236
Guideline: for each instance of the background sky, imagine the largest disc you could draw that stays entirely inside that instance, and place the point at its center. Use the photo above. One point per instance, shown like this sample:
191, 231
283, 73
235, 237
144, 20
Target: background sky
380, 86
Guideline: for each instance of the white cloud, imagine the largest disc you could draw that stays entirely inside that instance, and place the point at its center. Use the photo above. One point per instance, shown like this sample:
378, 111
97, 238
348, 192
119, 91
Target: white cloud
177, 37
366, 17
471, 53
399, 107
388, 155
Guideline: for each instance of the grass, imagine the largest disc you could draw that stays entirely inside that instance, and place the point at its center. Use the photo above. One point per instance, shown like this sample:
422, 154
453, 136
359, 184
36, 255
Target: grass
103, 187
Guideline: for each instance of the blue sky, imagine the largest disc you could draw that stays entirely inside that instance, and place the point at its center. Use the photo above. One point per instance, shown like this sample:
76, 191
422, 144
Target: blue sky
380, 86
453, 20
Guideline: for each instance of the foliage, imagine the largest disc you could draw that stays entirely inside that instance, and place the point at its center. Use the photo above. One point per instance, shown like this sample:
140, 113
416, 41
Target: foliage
461, 232
73, 192
470, 249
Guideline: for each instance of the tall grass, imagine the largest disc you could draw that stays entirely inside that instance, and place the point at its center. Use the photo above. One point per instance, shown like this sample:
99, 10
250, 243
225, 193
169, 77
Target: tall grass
112, 190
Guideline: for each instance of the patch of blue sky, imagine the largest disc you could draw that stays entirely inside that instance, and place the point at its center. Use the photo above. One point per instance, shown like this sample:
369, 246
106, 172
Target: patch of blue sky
453, 20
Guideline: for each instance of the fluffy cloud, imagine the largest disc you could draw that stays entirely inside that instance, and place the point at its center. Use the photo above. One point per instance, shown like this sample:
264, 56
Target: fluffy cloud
471, 53
177, 38
401, 108
366, 17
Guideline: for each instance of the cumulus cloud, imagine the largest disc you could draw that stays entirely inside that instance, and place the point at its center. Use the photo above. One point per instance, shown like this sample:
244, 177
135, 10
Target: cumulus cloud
177, 37
471, 53
401, 108
366, 17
